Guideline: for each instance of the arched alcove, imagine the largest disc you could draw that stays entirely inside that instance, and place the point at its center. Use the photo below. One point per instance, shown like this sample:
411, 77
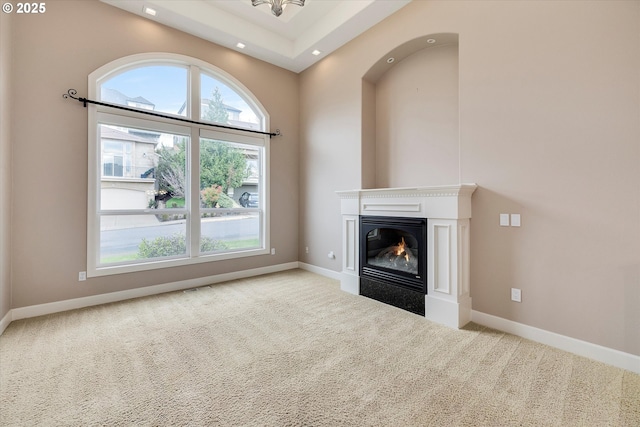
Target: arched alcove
410, 115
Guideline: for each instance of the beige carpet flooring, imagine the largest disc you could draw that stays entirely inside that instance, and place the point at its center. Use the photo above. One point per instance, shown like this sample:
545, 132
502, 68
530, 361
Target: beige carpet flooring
291, 349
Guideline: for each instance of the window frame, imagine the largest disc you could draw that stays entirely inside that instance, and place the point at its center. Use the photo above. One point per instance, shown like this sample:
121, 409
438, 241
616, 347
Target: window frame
107, 115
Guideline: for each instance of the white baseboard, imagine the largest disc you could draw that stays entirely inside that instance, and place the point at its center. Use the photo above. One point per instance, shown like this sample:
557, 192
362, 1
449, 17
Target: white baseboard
335, 275
586, 349
5, 321
72, 304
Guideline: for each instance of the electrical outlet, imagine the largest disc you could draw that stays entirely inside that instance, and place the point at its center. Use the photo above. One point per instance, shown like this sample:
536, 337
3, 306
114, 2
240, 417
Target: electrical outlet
273, 251
516, 295
306, 250
82, 276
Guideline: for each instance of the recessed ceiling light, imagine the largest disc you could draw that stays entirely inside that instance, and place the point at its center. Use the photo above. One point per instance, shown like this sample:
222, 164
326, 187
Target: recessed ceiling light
390, 60
431, 41
149, 11
240, 45
316, 52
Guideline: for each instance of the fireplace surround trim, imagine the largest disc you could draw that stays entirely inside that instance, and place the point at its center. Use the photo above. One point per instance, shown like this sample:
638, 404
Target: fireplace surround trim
448, 212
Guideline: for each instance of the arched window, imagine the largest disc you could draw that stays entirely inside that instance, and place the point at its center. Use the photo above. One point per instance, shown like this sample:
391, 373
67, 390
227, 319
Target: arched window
164, 191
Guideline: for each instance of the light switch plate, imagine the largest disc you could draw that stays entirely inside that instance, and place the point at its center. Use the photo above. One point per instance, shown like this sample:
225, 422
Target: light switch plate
516, 295
504, 220
515, 220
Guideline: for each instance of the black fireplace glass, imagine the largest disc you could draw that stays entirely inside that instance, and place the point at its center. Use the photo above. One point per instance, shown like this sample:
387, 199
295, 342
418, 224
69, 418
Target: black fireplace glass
393, 249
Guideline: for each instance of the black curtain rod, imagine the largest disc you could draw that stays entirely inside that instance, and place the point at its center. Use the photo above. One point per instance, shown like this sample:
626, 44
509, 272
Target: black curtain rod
71, 93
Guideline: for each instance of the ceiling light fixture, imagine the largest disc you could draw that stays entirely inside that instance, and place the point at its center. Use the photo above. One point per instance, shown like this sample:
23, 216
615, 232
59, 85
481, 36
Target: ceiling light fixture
431, 41
316, 52
240, 45
149, 11
277, 5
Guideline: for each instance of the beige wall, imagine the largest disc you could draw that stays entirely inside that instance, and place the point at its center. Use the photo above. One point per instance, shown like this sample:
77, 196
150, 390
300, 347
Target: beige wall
417, 112
56, 51
549, 127
5, 165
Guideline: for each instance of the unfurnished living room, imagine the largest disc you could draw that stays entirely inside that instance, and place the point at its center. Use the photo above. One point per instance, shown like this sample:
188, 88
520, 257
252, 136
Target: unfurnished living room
320, 213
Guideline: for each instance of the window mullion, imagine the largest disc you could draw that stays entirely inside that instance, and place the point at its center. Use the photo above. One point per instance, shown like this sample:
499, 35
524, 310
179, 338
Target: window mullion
194, 163
194, 194
194, 91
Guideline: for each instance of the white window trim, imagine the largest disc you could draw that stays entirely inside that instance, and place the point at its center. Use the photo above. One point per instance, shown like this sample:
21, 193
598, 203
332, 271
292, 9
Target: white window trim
106, 114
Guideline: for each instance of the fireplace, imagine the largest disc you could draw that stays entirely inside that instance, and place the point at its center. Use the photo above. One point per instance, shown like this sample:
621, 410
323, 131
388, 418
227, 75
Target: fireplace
393, 261
428, 225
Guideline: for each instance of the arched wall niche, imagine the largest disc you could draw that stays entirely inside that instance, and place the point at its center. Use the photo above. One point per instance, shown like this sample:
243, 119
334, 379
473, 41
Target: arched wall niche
410, 115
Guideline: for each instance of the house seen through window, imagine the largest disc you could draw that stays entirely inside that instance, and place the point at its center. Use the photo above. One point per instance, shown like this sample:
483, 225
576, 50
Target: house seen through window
166, 192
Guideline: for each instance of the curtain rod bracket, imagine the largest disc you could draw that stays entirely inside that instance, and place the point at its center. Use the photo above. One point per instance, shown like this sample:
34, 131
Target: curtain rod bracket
71, 93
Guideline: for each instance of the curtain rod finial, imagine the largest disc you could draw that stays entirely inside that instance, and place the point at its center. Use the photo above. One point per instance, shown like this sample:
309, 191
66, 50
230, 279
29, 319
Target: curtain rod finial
71, 93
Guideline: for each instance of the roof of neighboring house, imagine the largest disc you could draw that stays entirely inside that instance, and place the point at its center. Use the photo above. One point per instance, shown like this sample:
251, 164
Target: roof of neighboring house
110, 133
141, 100
116, 97
246, 125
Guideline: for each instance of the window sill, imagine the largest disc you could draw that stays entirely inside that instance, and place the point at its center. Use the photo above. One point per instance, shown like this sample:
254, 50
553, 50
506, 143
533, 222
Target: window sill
125, 179
172, 262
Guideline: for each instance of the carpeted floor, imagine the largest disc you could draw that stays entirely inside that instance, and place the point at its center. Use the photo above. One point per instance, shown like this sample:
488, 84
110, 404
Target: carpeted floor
291, 349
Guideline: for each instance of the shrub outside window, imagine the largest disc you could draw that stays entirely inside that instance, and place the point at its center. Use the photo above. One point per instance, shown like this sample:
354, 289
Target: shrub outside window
165, 192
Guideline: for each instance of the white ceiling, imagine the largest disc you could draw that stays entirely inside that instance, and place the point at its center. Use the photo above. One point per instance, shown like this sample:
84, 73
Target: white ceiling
286, 41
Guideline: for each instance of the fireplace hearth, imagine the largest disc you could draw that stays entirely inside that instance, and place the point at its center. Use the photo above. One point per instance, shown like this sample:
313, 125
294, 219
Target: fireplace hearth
409, 247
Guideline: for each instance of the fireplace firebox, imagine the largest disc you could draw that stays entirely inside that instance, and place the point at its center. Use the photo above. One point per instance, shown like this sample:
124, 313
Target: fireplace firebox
393, 261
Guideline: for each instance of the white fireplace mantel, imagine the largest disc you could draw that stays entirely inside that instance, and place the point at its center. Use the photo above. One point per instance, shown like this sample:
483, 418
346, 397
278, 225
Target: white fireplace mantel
448, 211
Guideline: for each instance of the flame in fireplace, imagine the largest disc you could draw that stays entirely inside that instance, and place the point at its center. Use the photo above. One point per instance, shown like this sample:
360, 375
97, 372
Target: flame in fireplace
399, 256
401, 251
